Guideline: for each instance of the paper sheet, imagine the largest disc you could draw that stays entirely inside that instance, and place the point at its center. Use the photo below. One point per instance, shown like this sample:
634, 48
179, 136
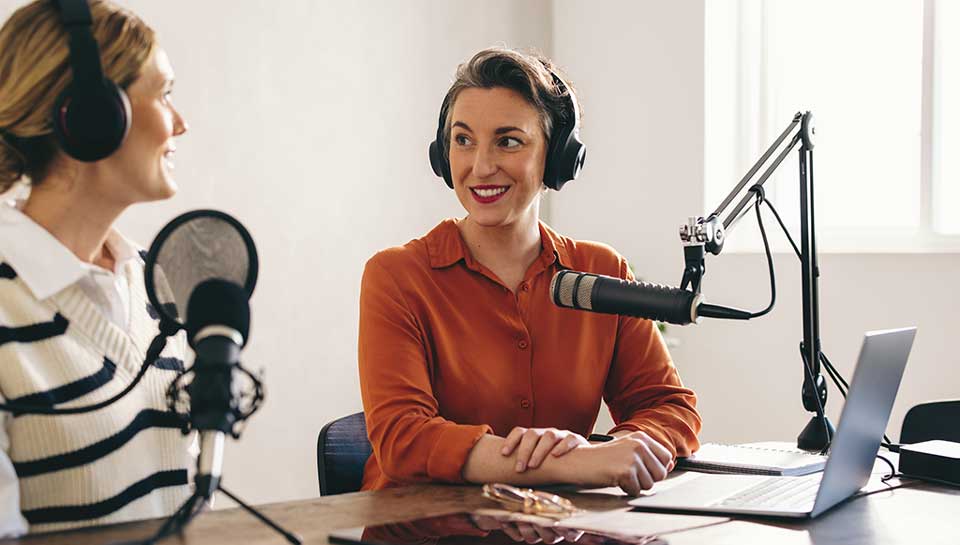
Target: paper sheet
672, 480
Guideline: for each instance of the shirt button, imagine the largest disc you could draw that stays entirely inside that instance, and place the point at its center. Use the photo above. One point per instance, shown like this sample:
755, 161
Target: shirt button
524, 287
524, 404
522, 344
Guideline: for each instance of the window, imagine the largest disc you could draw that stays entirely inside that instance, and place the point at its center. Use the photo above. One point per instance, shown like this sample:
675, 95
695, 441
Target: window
882, 80
946, 107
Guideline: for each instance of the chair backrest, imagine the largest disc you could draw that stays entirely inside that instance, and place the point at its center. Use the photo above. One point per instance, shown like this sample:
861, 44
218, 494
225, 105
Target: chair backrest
342, 452
932, 420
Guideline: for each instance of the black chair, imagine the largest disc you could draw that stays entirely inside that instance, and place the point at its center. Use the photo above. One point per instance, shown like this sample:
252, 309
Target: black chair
932, 420
342, 452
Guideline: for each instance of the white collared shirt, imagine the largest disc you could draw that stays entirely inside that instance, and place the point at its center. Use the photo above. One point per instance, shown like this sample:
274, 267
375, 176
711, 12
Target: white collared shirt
46, 266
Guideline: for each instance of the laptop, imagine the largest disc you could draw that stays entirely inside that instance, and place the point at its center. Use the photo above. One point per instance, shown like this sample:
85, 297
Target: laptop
863, 420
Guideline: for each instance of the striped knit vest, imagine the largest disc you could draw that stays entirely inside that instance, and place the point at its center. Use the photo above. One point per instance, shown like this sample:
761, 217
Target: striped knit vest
124, 462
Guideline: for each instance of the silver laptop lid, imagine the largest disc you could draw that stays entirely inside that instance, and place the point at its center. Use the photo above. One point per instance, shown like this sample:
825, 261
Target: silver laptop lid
863, 420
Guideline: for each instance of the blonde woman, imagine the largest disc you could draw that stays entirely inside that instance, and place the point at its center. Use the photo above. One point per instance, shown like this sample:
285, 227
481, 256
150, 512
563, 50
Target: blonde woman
74, 319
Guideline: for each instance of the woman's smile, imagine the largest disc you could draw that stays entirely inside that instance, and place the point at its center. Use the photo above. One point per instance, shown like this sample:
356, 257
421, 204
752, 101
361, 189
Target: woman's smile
487, 194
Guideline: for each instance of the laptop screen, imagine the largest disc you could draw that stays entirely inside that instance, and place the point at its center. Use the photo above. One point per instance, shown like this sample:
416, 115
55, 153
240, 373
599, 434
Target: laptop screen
865, 414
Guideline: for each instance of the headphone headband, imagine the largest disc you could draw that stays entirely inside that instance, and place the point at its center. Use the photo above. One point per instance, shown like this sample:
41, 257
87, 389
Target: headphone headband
84, 53
91, 117
562, 90
74, 13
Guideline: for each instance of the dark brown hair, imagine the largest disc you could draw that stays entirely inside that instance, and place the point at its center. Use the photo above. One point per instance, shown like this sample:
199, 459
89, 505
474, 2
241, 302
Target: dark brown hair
529, 75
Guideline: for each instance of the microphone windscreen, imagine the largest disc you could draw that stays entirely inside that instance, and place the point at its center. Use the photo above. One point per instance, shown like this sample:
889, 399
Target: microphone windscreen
572, 289
218, 302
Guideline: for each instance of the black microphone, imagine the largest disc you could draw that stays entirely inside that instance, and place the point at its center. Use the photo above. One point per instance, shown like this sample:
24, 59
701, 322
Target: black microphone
611, 295
203, 266
218, 326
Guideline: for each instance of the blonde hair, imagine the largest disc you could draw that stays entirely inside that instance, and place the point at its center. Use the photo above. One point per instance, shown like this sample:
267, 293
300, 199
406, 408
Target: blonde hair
529, 75
35, 70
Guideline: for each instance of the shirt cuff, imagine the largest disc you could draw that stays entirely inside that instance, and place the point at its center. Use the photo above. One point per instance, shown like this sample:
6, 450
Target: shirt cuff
450, 454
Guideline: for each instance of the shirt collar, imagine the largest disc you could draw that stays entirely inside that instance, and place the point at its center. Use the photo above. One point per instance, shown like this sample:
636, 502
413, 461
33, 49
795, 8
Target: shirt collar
445, 246
555, 244
44, 264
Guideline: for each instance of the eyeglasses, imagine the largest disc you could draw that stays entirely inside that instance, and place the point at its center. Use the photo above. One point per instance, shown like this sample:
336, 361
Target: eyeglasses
529, 501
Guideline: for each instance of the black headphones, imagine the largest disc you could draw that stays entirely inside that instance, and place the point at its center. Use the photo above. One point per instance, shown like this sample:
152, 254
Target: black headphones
92, 116
565, 152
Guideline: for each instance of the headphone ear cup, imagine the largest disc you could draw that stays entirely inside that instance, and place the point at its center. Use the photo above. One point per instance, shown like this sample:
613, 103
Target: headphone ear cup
565, 152
565, 158
92, 122
439, 163
570, 160
438, 157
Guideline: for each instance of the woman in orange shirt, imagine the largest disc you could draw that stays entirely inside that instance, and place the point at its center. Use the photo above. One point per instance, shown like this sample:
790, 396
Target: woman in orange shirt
468, 371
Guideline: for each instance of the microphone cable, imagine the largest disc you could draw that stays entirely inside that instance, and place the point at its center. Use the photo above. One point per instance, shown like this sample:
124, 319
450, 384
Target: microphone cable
807, 367
761, 197
167, 329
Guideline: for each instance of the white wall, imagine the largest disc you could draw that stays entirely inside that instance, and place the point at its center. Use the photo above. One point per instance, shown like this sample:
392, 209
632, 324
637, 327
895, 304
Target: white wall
310, 121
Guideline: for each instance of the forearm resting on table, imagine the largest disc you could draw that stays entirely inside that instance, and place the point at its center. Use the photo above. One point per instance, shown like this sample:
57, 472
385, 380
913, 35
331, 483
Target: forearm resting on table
486, 464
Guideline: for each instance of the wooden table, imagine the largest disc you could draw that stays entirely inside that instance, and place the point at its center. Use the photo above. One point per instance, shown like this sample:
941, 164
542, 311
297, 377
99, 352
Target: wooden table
916, 513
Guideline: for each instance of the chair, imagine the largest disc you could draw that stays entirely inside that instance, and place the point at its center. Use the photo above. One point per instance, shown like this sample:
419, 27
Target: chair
342, 453
931, 420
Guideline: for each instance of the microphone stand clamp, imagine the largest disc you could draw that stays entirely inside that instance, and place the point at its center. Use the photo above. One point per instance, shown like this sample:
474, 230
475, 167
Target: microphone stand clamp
699, 236
178, 398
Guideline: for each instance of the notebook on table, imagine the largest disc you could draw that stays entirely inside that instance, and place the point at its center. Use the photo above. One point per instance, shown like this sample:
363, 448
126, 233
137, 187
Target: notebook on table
753, 459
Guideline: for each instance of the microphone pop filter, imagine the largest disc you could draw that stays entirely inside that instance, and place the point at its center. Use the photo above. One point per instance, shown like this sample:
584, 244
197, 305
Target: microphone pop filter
193, 248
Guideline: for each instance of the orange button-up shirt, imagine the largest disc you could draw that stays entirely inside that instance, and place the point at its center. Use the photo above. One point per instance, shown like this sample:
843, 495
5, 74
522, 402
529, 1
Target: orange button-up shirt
448, 353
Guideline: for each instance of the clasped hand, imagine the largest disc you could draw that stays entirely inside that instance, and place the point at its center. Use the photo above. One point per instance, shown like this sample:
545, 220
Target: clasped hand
633, 461
533, 445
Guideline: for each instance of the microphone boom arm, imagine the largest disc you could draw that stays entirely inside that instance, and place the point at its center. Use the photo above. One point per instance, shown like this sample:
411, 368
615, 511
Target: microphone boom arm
797, 119
709, 232
701, 235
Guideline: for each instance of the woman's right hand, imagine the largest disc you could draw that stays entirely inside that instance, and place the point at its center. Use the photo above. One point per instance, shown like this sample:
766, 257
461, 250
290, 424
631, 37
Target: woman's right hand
532, 445
633, 462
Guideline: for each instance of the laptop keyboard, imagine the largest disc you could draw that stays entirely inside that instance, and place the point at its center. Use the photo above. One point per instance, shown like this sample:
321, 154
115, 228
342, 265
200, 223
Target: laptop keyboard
777, 493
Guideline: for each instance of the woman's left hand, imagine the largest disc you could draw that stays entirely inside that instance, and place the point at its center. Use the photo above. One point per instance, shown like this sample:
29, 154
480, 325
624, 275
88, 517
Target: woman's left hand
534, 444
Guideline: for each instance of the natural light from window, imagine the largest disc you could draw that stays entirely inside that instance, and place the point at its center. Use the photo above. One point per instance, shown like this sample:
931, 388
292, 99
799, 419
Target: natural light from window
858, 65
946, 169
